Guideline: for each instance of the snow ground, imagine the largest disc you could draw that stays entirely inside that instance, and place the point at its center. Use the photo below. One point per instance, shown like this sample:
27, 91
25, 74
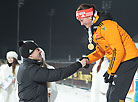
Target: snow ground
72, 94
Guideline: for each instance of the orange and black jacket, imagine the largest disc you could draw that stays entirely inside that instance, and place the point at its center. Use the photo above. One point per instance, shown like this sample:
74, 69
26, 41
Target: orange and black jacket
114, 42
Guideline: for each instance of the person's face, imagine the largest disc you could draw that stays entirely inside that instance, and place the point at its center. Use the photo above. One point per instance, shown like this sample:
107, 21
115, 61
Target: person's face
10, 59
36, 55
87, 22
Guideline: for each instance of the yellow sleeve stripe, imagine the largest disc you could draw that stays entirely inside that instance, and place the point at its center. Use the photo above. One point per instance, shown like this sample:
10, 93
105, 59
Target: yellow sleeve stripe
100, 24
112, 61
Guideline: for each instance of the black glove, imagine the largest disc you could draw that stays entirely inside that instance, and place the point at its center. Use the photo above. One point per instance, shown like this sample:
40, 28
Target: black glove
108, 78
87, 65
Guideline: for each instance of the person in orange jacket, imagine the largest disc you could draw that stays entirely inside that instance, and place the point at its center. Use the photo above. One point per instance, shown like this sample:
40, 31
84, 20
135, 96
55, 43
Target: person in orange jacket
114, 42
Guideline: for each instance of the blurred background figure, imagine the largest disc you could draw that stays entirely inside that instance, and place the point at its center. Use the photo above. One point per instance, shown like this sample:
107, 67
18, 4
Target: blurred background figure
135, 98
52, 88
8, 78
99, 87
136, 83
136, 88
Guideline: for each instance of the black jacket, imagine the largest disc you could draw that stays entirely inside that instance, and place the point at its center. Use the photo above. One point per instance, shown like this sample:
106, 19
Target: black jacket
32, 79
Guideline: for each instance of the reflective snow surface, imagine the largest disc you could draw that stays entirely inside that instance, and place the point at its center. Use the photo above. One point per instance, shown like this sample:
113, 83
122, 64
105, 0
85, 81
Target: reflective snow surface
72, 94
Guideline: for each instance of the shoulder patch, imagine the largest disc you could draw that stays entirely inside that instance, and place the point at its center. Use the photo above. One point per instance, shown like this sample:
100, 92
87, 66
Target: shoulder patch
104, 28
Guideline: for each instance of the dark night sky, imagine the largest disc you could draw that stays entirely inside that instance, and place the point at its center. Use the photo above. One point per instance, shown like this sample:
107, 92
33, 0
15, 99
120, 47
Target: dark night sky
67, 36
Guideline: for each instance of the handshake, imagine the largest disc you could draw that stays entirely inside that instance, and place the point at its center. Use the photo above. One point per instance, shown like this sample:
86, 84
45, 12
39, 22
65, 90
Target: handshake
84, 62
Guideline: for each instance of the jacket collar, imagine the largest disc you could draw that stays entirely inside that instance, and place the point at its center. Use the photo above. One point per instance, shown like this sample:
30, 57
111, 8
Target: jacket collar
101, 17
32, 61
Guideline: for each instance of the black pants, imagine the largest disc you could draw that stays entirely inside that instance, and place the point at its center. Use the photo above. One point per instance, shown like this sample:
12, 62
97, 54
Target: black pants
118, 90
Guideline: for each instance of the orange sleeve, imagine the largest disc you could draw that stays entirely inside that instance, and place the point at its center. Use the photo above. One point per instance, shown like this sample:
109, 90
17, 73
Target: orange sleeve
112, 36
96, 55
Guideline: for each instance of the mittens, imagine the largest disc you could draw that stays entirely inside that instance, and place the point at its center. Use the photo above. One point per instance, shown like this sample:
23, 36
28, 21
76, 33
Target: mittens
108, 78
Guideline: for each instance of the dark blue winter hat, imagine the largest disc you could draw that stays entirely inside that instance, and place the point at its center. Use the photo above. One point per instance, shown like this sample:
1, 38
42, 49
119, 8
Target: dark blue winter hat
27, 47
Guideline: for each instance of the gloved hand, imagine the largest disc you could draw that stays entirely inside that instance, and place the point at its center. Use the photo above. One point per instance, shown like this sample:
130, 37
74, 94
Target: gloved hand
108, 78
87, 65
